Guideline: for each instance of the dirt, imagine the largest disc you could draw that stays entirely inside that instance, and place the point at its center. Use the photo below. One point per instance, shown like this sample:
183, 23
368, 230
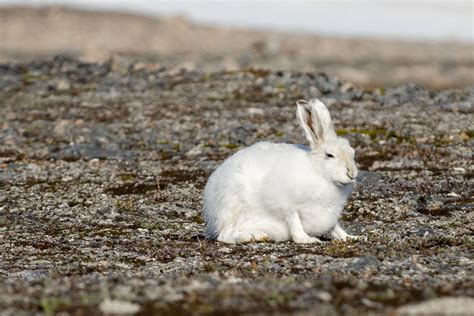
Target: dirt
102, 167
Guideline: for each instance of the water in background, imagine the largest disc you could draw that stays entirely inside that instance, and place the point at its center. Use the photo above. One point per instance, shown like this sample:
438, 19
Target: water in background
449, 20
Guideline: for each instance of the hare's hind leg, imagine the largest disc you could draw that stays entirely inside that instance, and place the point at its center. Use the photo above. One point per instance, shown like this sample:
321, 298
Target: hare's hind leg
244, 236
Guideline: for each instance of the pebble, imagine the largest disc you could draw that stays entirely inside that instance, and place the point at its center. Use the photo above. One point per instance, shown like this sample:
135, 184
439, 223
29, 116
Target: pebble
459, 170
117, 307
440, 306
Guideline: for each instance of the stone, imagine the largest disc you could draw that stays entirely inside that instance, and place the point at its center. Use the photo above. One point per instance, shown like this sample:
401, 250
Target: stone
117, 307
443, 306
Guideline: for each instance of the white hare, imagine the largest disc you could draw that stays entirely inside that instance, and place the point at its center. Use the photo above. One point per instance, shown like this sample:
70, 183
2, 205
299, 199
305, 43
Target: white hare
272, 191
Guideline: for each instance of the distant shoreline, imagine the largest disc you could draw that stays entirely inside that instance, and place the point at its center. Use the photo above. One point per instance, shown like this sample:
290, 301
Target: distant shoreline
174, 42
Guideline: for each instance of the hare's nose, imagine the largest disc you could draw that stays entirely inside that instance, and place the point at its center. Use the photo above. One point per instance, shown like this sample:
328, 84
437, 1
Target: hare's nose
352, 173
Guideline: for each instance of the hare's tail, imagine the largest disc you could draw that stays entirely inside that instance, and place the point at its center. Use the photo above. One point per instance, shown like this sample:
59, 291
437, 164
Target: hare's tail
221, 212
211, 231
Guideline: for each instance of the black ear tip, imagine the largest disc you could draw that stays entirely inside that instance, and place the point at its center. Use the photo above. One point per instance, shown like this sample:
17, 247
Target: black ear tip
302, 103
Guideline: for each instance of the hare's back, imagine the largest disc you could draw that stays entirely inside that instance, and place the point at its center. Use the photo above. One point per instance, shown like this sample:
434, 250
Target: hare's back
266, 157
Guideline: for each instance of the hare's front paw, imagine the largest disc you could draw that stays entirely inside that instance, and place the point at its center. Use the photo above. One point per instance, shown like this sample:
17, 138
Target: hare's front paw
305, 239
352, 237
347, 237
338, 233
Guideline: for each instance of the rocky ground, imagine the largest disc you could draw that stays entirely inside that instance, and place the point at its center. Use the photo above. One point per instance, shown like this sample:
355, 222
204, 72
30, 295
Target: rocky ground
102, 168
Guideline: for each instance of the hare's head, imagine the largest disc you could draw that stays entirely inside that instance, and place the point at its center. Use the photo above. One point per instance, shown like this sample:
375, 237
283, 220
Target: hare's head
334, 155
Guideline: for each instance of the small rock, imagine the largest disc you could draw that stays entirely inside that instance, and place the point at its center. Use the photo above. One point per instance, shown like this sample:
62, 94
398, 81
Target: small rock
398, 163
61, 127
195, 151
459, 170
119, 65
324, 296
364, 263
370, 303
256, 112
63, 85
463, 107
440, 306
117, 307
94, 161
454, 194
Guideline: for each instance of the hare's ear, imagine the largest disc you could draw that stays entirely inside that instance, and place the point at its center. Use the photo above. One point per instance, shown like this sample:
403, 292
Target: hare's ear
324, 118
316, 121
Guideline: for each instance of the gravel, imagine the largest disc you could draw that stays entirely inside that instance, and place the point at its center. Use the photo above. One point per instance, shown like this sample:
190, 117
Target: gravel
102, 168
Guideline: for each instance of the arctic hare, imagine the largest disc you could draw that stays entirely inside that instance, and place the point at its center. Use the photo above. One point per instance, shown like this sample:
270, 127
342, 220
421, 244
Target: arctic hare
276, 191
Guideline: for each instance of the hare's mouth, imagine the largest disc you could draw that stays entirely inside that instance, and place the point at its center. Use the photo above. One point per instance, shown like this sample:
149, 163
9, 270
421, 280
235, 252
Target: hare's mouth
344, 183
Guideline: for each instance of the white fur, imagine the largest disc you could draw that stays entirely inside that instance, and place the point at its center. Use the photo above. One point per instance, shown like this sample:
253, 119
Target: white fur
283, 191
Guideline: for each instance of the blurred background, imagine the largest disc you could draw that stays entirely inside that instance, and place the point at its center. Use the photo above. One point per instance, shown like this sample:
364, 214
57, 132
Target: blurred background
371, 43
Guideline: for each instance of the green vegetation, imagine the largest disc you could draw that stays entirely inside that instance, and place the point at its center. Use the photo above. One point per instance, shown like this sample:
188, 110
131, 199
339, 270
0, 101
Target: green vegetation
124, 205
470, 133
51, 305
373, 133
231, 146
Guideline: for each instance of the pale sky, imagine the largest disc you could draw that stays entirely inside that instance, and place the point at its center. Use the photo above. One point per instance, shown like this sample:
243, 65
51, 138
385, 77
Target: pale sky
435, 20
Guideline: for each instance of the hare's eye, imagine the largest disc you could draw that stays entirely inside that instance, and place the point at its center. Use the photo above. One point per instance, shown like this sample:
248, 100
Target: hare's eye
329, 155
